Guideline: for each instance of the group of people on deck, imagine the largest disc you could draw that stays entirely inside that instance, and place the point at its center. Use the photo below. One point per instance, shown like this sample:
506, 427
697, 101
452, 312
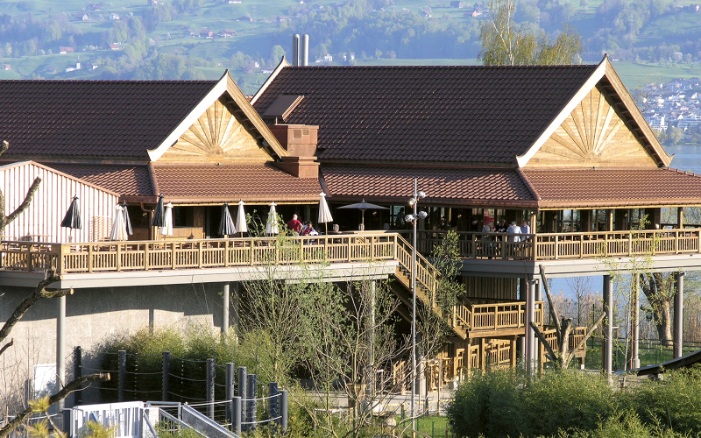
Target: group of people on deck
301, 229
515, 233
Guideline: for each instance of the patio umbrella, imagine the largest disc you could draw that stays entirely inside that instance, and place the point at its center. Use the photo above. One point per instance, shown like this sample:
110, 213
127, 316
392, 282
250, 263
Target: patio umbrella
226, 223
167, 228
72, 218
324, 212
241, 220
127, 221
159, 213
119, 229
271, 225
362, 206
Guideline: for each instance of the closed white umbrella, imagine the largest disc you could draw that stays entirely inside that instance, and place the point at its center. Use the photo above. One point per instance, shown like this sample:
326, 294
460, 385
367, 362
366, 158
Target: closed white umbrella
241, 220
119, 227
167, 228
226, 223
271, 225
324, 212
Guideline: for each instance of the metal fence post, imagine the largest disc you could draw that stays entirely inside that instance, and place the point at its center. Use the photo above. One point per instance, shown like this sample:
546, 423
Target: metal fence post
236, 415
273, 401
229, 388
165, 386
121, 373
251, 401
243, 380
210, 373
283, 410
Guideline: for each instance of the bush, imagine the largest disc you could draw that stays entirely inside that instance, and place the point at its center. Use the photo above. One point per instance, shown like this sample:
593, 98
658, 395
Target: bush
573, 404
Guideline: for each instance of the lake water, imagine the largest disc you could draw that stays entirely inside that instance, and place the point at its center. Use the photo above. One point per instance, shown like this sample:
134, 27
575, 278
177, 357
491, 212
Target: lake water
685, 157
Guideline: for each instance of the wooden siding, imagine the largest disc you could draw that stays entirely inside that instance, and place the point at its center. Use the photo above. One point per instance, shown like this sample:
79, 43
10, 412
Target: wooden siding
217, 136
593, 135
487, 289
42, 220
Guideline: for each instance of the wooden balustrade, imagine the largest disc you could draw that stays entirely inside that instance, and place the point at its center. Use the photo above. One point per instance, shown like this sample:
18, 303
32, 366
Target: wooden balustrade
556, 246
189, 254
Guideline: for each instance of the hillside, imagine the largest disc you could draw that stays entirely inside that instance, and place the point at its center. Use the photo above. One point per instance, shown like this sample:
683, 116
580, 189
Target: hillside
190, 39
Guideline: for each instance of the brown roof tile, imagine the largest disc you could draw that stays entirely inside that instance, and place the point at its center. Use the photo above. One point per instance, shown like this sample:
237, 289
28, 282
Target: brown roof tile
614, 187
227, 183
102, 119
125, 180
426, 114
478, 187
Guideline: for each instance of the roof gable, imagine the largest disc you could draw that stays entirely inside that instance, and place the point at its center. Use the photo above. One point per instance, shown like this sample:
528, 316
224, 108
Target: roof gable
424, 114
222, 126
599, 127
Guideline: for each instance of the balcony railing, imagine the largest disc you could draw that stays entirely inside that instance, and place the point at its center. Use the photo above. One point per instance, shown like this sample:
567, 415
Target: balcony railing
191, 254
560, 246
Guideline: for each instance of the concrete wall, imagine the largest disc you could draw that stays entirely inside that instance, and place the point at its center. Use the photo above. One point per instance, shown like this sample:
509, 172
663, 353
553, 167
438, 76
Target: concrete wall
93, 316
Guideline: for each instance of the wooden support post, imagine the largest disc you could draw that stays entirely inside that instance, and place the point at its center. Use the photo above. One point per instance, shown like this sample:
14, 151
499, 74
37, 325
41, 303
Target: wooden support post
679, 316
607, 353
483, 354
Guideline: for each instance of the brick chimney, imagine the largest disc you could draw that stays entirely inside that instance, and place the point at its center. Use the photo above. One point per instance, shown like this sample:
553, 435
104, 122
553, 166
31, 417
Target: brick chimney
300, 142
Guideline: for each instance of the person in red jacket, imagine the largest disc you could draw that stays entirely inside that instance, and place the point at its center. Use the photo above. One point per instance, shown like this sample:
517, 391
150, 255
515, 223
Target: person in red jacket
294, 224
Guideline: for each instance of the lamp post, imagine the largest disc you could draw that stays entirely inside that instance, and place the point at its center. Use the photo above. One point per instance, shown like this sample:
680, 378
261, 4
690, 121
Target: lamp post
413, 218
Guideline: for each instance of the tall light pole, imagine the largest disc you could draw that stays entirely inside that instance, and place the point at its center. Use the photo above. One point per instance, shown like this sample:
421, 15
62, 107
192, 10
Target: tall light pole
413, 218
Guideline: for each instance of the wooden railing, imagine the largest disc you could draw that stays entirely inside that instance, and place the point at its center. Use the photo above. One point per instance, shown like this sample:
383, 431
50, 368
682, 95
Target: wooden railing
189, 254
558, 246
576, 336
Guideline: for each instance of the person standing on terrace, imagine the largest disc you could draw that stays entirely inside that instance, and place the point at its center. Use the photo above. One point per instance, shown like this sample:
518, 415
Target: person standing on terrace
294, 224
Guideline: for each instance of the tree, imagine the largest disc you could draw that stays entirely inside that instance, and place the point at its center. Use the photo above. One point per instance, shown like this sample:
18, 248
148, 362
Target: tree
659, 289
40, 292
506, 43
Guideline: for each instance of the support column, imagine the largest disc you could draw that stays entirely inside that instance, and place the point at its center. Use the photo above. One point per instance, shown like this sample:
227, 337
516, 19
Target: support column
635, 323
225, 308
235, 317
607, 348
531, 347
679, 316
60, 342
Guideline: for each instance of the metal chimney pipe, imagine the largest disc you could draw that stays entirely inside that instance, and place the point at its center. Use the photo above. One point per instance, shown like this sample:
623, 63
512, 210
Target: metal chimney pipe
304, 55
295, 50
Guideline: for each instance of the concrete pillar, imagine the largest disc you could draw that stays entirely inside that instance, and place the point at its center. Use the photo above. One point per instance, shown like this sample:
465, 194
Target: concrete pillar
226, 294
60, 343
679, 316
235, 298
607, 350
635, 323
531, 347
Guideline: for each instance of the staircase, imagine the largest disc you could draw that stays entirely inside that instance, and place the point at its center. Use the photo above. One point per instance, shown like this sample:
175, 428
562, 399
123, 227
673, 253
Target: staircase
479, 320
427, 286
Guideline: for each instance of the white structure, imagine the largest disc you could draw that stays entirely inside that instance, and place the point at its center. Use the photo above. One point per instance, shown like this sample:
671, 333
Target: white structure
42, 221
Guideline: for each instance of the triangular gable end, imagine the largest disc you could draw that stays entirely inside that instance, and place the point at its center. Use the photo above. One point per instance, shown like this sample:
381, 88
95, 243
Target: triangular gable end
589, 132
223, 127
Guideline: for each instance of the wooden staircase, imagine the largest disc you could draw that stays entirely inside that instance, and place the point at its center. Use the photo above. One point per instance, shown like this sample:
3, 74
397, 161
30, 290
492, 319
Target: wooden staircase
467, 321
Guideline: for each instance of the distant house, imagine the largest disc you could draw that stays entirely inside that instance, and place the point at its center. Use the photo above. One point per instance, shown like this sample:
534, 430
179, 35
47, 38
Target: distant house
66, 49
116, 46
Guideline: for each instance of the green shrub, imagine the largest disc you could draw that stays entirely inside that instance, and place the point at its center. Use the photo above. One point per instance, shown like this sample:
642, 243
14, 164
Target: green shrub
673, 402
565, 400
488, 404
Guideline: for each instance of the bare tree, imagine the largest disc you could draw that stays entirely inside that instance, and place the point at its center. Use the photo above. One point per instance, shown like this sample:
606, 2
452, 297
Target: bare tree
563, 328
506, 43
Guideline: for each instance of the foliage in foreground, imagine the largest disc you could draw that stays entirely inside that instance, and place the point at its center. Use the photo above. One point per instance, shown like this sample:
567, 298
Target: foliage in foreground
570, 403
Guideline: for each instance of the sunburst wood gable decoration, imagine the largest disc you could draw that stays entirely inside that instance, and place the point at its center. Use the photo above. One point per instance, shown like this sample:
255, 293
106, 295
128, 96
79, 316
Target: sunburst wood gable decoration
216, 136
593, 135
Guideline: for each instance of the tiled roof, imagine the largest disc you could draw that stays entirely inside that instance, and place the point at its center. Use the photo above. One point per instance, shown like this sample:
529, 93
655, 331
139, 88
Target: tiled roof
477, 187
228, 183
124, 180
426, 114
614, 187
103, 119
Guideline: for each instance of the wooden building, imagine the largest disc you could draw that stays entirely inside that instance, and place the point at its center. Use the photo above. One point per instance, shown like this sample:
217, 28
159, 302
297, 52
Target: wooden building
563, 148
